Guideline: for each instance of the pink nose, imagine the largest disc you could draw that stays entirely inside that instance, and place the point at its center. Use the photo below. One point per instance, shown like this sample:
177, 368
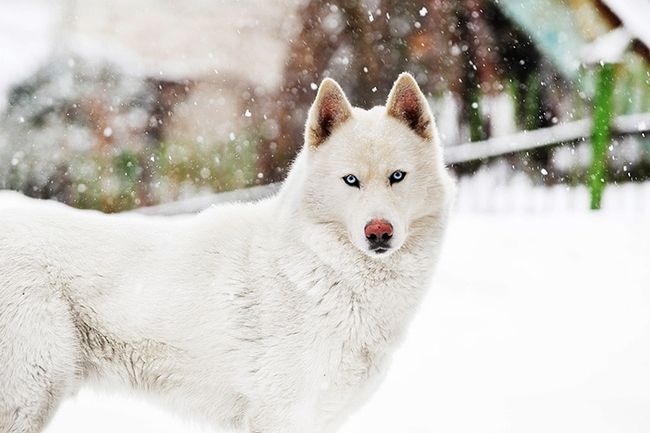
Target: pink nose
378, 230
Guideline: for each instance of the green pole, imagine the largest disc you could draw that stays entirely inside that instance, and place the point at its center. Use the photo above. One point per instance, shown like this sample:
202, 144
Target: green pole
601, 133
476, 132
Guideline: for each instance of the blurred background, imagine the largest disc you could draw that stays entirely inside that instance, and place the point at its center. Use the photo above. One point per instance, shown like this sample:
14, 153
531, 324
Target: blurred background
119, 104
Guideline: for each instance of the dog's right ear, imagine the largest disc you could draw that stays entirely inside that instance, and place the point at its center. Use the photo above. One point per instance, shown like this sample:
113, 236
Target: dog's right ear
330, 109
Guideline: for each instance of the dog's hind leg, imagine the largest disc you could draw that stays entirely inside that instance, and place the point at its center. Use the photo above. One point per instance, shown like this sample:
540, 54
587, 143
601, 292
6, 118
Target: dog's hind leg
39, 362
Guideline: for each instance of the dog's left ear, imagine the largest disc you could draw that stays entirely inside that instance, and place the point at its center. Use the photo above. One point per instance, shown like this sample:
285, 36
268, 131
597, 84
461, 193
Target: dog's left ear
407, 103
330, 109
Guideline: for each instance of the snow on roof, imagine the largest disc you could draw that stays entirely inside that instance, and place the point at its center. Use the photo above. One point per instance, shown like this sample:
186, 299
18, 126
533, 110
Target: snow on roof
608, 48
167, 39
634, 15
193, 39
25, 39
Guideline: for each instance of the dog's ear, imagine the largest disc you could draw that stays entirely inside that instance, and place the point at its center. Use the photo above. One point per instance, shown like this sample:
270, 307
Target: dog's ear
407, 103
329, 110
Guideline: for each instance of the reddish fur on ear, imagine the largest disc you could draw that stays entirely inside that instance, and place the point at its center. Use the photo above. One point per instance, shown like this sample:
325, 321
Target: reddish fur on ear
329, 110
407, 103
329, 114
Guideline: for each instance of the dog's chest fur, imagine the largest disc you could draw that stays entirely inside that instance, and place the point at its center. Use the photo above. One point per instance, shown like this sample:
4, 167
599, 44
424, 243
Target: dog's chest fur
353, 322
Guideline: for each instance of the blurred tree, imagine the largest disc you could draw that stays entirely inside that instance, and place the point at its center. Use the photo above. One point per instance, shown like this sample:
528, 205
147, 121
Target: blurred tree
87, 134
365, 44
69, 109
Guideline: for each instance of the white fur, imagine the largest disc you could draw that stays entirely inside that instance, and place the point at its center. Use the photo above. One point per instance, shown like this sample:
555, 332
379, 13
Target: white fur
271, 317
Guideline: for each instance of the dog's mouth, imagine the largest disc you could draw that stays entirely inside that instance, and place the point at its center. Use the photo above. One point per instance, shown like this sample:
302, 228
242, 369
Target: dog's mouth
379, 251
379, 247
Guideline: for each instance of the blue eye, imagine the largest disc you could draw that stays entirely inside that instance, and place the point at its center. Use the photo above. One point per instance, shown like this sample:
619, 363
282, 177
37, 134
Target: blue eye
397, 176
351, 180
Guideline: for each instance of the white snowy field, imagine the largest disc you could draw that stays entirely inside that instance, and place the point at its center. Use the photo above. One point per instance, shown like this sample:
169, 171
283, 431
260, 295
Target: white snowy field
534, 323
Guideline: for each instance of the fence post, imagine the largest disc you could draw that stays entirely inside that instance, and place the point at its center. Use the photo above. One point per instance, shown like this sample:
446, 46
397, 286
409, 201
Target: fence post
601, 132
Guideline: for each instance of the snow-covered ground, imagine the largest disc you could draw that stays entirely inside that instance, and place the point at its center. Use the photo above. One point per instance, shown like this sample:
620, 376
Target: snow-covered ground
536, 322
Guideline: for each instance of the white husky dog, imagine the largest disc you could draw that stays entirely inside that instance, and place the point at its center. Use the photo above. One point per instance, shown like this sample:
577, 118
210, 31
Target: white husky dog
273, 317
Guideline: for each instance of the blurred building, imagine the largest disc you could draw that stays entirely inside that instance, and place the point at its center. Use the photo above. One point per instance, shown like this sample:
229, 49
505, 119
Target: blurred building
212, 58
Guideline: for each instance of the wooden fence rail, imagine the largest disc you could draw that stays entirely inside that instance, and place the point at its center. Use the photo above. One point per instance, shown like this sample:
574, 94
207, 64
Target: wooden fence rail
542, 137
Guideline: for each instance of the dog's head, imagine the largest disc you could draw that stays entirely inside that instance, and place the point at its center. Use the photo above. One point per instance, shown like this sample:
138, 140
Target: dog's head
373, 173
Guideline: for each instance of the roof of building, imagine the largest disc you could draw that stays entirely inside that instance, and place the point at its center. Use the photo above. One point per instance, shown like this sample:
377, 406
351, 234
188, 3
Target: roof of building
634, 16
569, 33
